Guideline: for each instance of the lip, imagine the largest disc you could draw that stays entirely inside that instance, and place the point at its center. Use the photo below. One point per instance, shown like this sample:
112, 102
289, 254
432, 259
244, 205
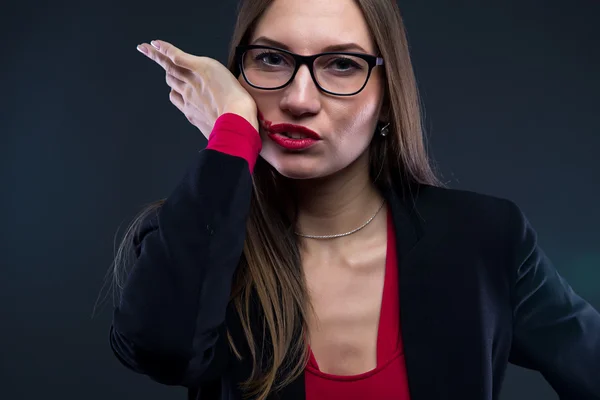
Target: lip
291, 128
292, 144
275, 133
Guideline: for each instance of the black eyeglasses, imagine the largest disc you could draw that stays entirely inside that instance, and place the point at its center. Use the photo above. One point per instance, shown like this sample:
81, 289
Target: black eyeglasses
336, 73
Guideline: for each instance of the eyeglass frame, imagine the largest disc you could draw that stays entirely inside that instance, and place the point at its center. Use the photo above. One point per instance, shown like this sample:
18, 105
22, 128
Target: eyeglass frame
300, 60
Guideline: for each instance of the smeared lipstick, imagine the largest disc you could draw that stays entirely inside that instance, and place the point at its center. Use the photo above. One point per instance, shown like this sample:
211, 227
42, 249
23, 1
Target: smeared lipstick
282, 134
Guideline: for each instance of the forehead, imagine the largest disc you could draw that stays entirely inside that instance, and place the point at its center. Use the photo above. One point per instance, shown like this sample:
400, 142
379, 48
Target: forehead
308, 26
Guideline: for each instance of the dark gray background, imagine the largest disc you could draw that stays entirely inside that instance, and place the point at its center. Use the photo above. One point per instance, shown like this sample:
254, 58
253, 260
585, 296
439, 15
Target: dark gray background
511, 93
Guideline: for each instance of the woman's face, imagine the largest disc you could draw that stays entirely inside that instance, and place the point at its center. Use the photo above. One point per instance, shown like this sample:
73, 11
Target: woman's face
345, 124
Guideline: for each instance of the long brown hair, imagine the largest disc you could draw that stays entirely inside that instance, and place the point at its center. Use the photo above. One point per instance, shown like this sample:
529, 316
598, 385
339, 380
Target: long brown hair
270, 270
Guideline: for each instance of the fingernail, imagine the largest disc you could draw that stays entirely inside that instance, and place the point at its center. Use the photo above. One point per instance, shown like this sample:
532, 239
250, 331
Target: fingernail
155, 44
142, 49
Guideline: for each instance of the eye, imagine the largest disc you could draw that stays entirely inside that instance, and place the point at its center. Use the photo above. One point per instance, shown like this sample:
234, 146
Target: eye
270, 58
344, 64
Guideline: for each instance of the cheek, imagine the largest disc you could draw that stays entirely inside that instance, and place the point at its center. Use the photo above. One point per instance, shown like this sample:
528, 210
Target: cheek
261, 98
358, 122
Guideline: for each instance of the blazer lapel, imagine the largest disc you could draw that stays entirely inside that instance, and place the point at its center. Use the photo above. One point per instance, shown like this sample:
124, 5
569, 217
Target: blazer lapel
293, 391
442, 351
412, 244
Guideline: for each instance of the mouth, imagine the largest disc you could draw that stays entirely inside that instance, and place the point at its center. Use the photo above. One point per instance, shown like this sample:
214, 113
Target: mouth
291, 131
293, 135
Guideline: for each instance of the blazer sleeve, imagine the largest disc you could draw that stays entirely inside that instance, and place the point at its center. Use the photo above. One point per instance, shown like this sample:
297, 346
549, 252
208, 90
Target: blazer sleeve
170, 321
555, 331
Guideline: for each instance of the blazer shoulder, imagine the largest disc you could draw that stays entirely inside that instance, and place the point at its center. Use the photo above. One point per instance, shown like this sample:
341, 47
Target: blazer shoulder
481, 212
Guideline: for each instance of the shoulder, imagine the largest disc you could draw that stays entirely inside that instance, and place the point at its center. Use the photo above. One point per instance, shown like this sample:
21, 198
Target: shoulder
464, 202
472, 213
477, 229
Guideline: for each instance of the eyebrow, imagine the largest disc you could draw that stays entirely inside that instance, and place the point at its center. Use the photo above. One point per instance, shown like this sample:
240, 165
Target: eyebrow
332, 48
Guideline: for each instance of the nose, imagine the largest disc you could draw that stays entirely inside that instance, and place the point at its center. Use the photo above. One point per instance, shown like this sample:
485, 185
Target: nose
301, 96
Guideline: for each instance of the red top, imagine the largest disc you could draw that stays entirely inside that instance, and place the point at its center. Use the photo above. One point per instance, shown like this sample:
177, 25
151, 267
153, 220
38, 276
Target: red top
235, 136
388, 380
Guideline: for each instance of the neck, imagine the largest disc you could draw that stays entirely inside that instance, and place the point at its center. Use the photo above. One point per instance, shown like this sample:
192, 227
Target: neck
338, 203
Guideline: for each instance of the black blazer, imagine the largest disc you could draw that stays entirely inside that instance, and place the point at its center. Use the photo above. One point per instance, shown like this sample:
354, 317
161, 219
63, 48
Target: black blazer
476, 292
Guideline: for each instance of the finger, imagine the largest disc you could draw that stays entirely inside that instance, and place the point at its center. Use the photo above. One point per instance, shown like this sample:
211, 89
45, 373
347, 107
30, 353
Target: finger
177, 56
170, 68
177, 100
176, 84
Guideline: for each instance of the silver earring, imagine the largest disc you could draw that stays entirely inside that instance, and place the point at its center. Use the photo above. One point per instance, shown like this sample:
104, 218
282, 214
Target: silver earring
384, 130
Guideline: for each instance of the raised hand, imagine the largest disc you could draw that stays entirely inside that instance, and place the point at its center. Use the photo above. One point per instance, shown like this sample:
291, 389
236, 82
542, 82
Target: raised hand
201, 87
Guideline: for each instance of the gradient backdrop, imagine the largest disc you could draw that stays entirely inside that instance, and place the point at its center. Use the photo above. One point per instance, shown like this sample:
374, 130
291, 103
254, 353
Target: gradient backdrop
88, 135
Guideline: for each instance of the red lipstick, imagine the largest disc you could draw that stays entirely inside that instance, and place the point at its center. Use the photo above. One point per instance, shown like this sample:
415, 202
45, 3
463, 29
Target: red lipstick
290, 136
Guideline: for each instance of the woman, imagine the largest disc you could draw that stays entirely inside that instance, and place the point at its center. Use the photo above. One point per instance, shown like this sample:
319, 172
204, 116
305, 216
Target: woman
335, 265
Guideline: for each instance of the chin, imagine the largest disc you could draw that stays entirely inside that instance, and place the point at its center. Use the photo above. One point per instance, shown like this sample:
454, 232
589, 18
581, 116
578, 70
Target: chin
297, 174
296, 170
296, 166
